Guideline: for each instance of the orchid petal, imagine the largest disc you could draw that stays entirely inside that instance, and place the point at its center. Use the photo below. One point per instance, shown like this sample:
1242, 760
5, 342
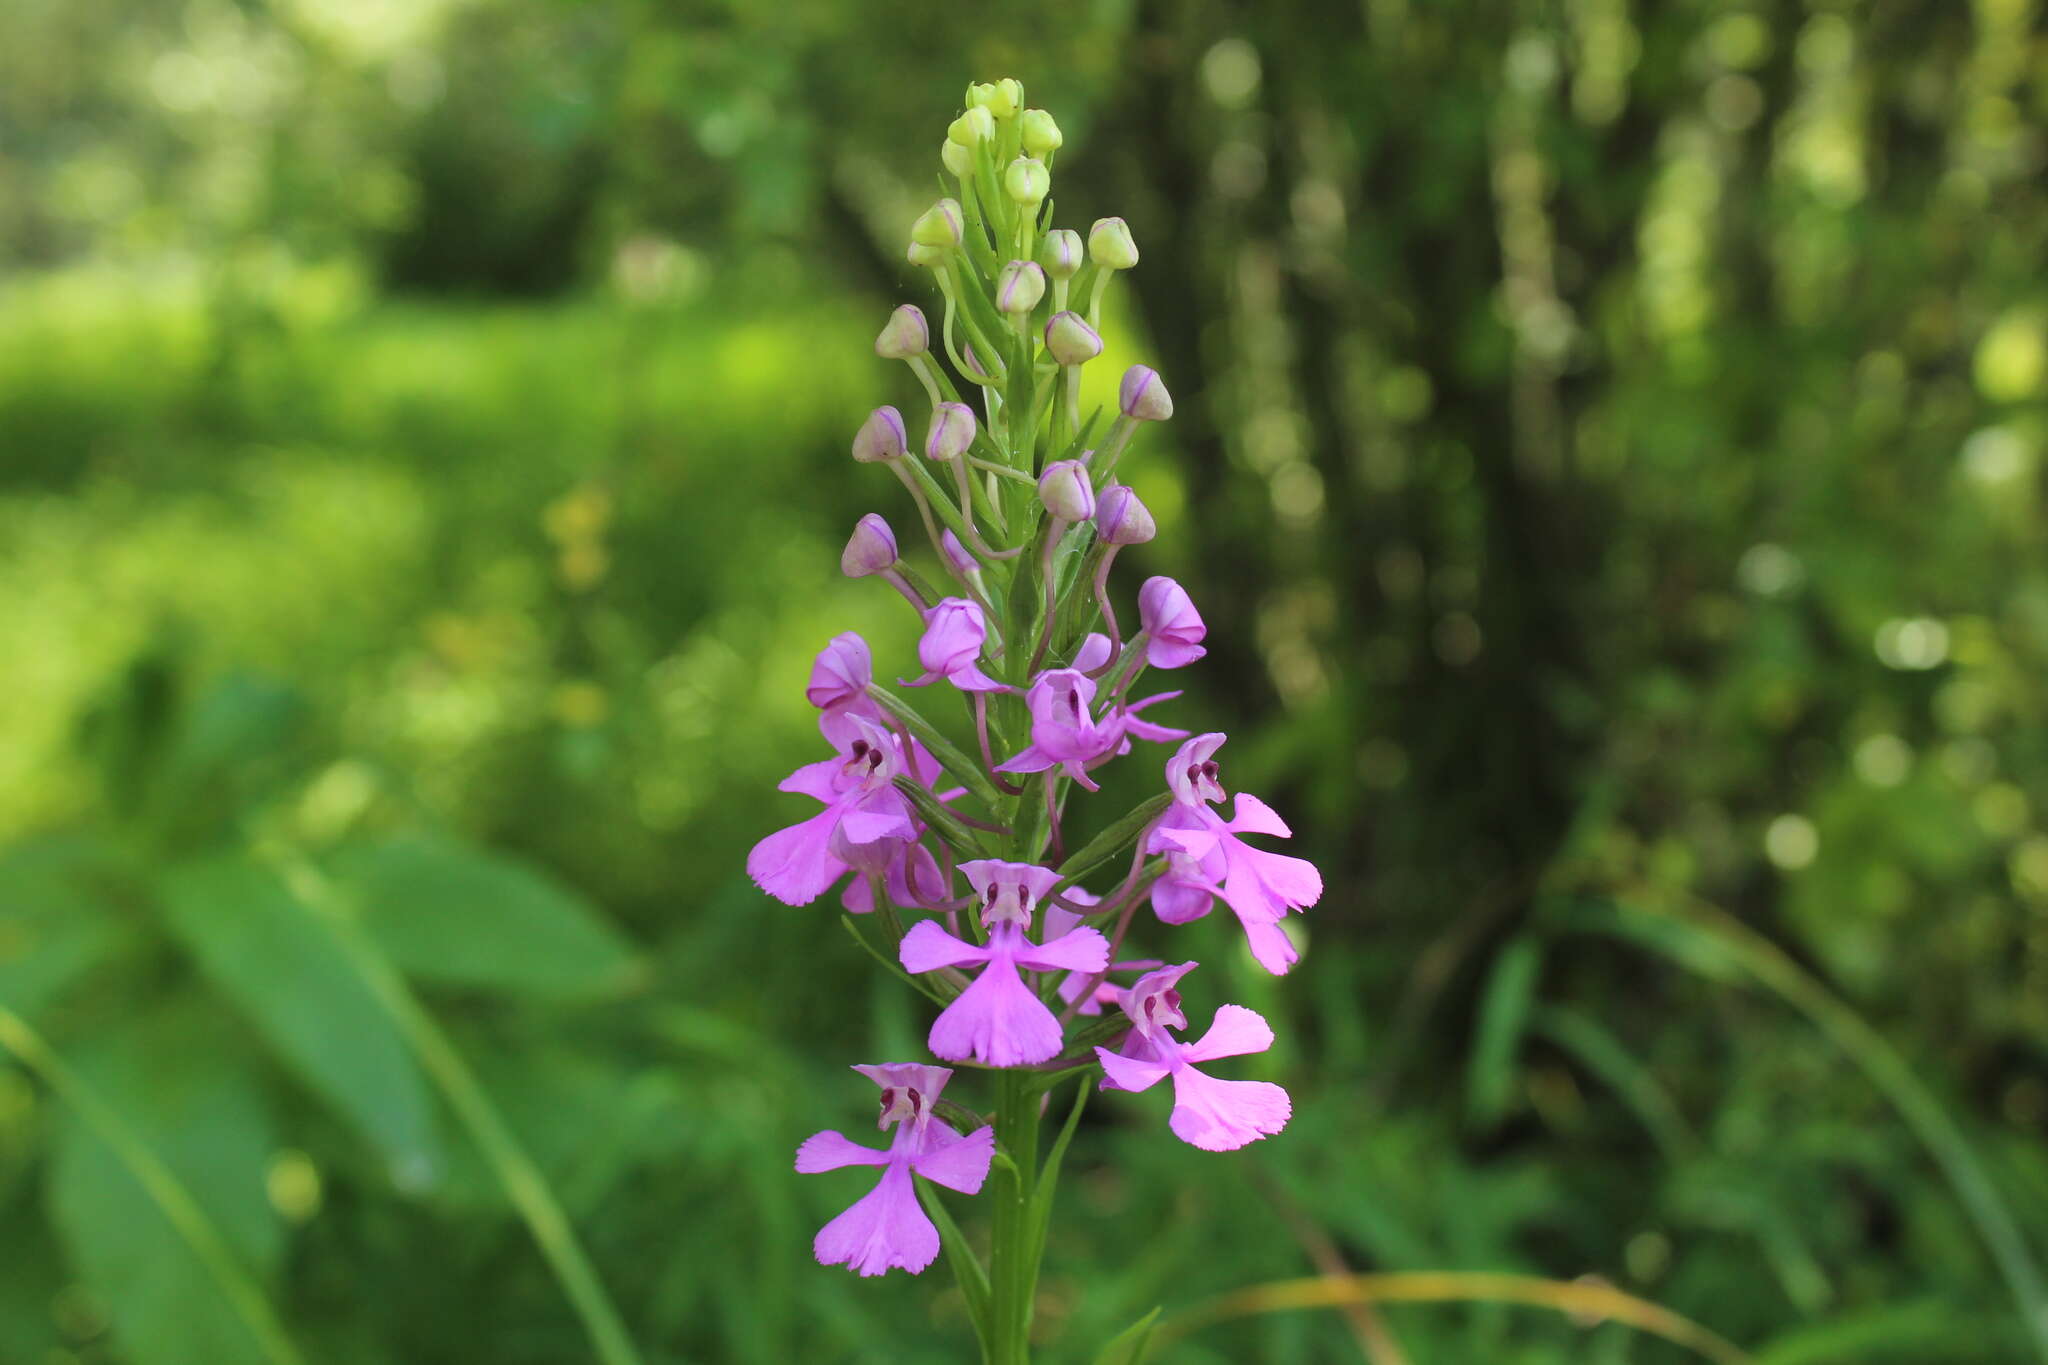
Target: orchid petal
828, 1151
960, 1164
1221, 1116
927, 947
1237, 1032
885, 1229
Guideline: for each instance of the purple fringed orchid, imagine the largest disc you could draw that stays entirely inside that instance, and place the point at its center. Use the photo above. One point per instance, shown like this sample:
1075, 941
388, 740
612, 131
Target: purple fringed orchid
865, 823
954, 632
998, 1020
1206, 858
1064, 728
1215, 1115
886, 1228
1173, 628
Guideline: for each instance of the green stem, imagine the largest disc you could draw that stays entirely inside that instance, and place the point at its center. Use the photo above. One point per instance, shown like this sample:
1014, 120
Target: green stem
524, 1183
160, 1183
1013, 1262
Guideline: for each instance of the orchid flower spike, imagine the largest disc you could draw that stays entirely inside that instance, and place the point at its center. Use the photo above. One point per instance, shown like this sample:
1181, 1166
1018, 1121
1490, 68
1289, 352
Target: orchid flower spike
886, 1229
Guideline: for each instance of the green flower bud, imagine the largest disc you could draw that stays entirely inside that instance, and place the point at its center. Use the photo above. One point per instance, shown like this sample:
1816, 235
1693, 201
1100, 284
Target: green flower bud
1020, 287
932, 256
1041, 134
907, 334
956, 158
979, 93
1060, 253
1071, 340
1027, 181
938, 226
1007, 99
1110, 245
972, 128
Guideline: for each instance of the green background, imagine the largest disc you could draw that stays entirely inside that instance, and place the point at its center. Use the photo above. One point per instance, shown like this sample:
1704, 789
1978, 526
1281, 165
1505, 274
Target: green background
1608, 458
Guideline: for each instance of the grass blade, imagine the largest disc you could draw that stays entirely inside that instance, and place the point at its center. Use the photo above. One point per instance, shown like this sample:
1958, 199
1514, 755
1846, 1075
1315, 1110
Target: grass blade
163, 1185
1707, 935
1579, 1298
524, 1183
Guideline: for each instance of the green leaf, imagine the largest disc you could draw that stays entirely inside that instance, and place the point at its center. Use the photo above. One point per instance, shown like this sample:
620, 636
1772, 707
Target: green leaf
1918, 1330
956, 763
1128, 1346
281, 965
967, 1267
1112, 841
1049, 1176
180, 1091
933, 812
56, 920
1600, 1052
447, 912
869, 936
1503, 1015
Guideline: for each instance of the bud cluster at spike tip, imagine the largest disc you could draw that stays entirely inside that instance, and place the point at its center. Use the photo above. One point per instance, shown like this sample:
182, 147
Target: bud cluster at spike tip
1026, 660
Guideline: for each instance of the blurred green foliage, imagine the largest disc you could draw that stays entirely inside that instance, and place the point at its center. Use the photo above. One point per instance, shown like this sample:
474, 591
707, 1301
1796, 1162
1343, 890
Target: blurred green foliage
1609, 458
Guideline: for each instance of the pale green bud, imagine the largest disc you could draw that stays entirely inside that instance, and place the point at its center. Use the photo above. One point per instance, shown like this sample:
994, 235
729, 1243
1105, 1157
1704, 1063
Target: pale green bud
938, 225
1071, 340
1007, 99
1060, 253
959, 160
972, 128
1041, 134
979, 93
1020, 286
1027, 181
1110, 245
933, 256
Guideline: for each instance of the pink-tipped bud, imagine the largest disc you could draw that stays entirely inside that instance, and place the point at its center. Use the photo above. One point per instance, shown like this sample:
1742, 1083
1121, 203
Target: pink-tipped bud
1066, 492
1027, 181
956, 556
870, 549
1110, 244
939, 226
1144, 396
1061, 253
881, 437
1071, 340
1121, 519
906, 334
1019, 287
952, 432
